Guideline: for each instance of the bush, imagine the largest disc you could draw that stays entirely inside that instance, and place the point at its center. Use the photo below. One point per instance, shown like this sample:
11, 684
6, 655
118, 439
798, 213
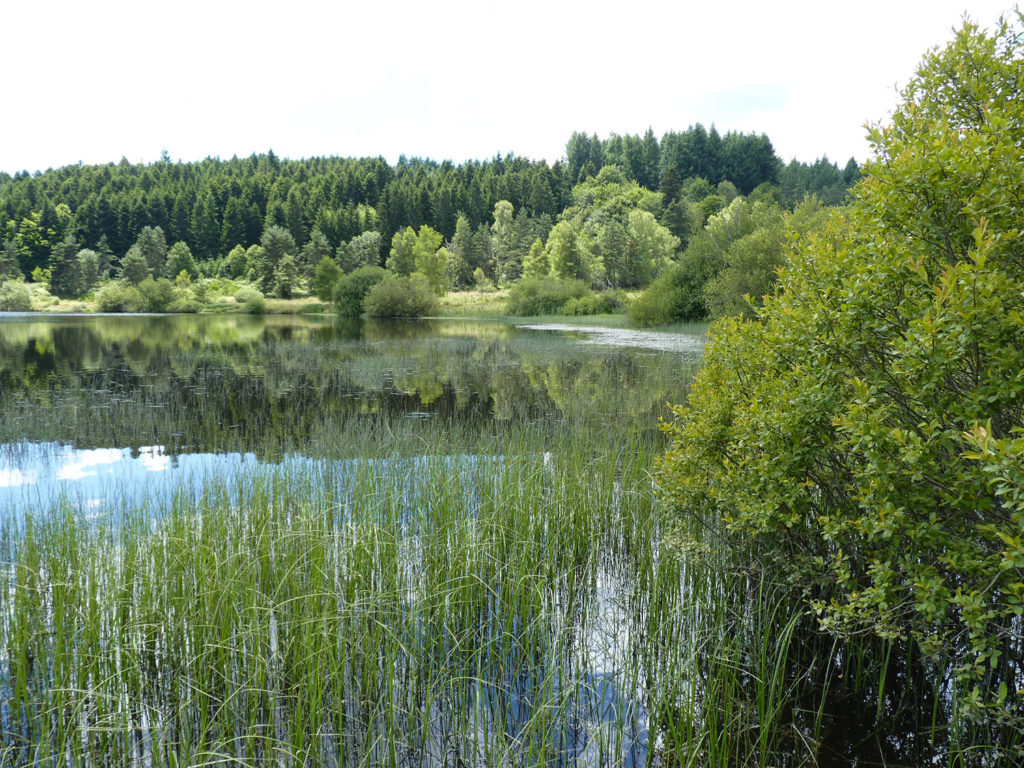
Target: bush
118, 297
595, 304
351, 289
184, 305
251, 301
15, 297
677, 294
864, 437
543, 295
156, 294
400, 297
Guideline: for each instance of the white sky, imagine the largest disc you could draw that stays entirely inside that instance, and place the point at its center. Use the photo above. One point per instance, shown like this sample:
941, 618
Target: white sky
449, 79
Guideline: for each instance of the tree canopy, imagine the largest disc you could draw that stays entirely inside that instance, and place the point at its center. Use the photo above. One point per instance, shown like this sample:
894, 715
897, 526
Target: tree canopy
864, 436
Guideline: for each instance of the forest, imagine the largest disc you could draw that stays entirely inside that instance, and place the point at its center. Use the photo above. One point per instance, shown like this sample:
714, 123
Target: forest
613, 212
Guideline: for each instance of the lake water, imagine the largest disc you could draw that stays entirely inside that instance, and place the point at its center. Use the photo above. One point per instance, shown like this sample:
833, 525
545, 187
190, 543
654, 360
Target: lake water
100, 416
133, 408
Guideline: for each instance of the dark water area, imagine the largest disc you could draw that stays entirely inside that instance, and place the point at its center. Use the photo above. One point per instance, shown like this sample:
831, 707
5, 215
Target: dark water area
275, 385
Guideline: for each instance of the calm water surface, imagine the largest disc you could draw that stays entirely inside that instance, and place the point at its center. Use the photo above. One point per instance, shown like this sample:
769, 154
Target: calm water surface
132, 409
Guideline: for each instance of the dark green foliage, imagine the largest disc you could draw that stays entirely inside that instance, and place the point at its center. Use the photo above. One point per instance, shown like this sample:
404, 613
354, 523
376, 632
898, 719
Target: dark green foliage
276, 243
400, 297
88, 270
677, 294
9, 262
350, 289
544, 295
133, 266
286, 277
214, 205
64, 280
153, 247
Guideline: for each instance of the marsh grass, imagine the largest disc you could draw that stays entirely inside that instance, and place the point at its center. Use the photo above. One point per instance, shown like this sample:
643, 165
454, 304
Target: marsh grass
419, 614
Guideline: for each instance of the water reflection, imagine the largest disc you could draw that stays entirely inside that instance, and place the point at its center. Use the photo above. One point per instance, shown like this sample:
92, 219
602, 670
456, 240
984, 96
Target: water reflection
238, 383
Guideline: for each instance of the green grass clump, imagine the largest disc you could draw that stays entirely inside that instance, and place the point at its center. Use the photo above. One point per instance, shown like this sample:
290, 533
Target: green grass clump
396, 610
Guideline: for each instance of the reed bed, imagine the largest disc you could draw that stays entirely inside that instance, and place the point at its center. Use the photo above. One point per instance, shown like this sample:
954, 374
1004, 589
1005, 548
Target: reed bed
432, 613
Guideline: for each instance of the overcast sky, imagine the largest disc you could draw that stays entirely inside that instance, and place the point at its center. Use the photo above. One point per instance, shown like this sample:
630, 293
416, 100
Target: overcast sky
447, 79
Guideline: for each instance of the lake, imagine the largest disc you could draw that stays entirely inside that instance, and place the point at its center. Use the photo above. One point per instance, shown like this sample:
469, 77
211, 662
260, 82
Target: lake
310, 542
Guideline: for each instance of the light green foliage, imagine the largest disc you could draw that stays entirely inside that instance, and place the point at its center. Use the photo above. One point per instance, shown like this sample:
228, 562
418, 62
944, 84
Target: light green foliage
350, 289
481, 281
503, 242
117, 296
750, 264
362, 251
677, 294
430, 259
251, 301
14, 296
238, 262
156, 295
563, 253
34, 239
864, 436
411, 296
536, 263
402, 260
179, 259
253, 260
650, 248
618, 239
327, 274
313, 252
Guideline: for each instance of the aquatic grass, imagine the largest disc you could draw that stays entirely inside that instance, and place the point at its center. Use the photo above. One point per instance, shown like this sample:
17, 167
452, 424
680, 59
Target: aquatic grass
416, 618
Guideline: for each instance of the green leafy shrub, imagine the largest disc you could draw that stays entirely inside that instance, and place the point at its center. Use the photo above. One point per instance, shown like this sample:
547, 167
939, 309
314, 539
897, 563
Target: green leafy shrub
184, 305
543, 295
14, 296
400, 297
156, 294
865, 436
351, 289
251, 301
118, 297
595, 304
676, 294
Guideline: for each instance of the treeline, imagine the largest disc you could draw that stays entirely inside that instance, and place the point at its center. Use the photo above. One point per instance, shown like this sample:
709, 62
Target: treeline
214, 205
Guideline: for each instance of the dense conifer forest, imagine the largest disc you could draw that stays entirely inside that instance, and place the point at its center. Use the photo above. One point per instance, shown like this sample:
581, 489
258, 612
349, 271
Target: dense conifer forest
326, 203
